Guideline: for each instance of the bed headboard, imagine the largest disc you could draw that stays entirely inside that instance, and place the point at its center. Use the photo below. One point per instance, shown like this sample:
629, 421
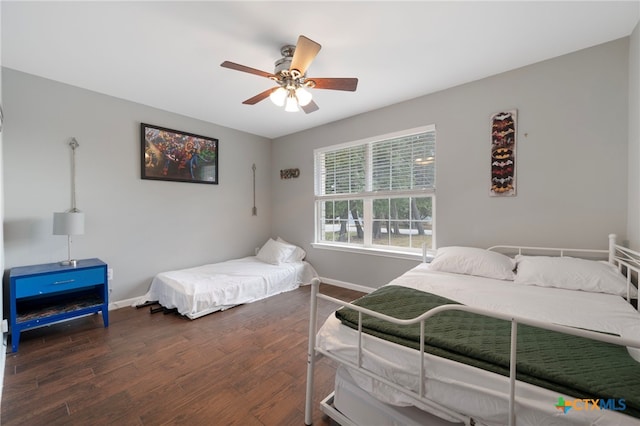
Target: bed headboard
555, 251
609, 254
626, 260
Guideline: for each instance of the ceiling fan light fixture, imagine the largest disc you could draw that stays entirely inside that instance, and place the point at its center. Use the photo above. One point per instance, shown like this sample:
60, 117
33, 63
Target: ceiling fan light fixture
278, 96
292, 103
291, 77
303, 95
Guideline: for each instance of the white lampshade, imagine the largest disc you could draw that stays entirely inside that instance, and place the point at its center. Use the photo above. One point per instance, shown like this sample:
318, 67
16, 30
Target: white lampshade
68, 223
303, 95
292, 104
278, 96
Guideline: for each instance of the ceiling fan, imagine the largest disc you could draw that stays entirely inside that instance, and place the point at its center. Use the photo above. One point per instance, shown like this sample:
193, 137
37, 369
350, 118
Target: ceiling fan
291, 76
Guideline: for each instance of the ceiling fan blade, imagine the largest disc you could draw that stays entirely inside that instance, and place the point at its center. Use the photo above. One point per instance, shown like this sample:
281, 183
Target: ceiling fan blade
348, 84
259, 97
310, 107
238, 67
306, 51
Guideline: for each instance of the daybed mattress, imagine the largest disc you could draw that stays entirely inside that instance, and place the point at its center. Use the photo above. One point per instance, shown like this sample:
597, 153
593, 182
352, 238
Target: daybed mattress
198, 291
466, 389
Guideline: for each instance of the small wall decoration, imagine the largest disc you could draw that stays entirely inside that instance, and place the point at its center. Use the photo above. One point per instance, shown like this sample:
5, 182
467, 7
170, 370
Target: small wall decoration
289, 173
178, 156
503, 153
254, 210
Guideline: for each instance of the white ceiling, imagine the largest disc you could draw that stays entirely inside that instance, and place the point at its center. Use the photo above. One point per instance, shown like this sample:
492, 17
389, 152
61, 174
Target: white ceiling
168, 54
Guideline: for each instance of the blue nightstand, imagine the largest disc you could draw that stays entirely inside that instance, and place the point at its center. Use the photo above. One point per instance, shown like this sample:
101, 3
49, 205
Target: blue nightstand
44, 294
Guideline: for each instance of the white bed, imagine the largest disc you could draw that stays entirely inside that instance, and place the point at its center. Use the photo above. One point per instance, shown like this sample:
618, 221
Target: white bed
374, 375
194, 292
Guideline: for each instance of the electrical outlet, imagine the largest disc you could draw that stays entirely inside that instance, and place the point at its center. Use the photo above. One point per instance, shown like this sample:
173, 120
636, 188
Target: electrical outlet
109, 274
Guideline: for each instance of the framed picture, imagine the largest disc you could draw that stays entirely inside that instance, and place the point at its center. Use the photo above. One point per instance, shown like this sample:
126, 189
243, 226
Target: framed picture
503, 153
178, 156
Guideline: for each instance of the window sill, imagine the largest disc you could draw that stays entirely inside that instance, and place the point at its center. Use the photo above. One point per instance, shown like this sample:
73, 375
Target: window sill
372, 251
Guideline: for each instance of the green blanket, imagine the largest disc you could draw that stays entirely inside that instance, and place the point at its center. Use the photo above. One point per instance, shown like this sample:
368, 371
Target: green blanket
571, 365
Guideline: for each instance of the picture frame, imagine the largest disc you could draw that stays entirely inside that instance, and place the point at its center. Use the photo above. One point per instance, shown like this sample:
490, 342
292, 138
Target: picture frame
504, 131
174, 155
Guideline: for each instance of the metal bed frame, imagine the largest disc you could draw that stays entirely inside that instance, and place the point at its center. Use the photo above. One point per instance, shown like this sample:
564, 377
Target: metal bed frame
627, 261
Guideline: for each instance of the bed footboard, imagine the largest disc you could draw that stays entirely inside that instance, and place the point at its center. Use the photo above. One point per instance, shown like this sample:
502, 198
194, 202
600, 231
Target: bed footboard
311, 353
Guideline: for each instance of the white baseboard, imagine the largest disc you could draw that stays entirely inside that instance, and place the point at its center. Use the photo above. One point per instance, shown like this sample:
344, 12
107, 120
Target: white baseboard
344, 284
124, 303
3, 357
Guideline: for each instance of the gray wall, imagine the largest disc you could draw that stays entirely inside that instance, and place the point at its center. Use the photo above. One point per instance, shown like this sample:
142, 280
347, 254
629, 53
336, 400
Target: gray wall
139, 227
633, 226
572, 173
571, 161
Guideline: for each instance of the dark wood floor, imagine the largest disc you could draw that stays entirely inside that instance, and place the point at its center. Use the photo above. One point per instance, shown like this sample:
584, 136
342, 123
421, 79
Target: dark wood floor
244, 366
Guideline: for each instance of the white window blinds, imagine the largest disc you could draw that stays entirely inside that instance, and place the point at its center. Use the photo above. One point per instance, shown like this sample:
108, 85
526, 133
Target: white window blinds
403, 163
400, 163
341, 171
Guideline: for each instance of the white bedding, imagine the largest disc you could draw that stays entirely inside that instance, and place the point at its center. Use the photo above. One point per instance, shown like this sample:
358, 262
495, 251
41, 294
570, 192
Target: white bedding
364, 409
470, 390
204, 289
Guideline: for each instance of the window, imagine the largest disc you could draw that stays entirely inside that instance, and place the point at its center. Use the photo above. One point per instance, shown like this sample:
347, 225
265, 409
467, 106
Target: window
377, 194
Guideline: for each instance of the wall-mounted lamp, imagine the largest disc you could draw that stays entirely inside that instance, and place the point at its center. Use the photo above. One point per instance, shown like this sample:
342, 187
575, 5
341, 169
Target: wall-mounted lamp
70, 222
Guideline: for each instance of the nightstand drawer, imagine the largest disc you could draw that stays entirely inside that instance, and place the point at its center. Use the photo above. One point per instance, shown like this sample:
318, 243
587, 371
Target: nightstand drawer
60, 281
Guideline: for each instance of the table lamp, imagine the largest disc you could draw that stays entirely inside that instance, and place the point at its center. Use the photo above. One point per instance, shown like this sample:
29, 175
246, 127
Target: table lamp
68, 223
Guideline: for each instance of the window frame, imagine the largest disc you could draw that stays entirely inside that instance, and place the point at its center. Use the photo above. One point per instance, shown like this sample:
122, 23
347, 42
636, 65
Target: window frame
367, 197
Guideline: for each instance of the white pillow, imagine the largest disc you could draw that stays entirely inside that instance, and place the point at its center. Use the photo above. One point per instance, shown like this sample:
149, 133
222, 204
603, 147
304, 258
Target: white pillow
571, 273
473, 261
298, 253
274, 252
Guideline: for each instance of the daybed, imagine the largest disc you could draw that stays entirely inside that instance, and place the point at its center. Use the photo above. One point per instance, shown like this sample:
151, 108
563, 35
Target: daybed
194, 292
565, 321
